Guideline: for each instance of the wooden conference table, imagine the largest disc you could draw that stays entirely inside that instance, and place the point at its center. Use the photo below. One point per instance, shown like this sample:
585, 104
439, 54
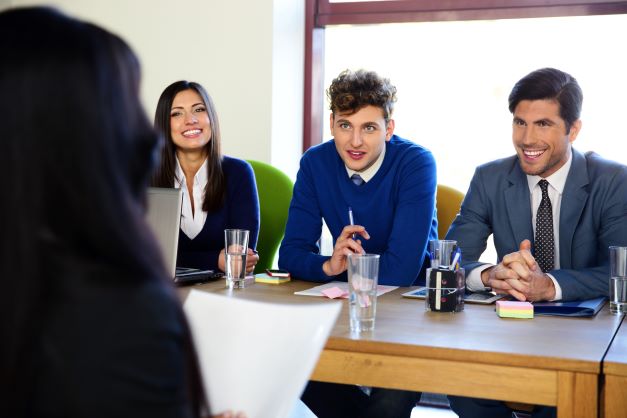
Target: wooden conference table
615, 373
547, 360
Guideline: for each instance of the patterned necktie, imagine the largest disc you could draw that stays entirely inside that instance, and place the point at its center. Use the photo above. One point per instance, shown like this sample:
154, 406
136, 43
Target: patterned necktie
545, 242
356, 178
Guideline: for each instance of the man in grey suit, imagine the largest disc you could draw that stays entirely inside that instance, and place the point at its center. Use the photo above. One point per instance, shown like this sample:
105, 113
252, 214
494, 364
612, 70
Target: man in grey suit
553, 211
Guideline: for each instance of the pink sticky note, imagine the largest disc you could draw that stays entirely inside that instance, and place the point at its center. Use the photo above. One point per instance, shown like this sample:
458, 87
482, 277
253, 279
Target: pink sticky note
364, 301
333, 292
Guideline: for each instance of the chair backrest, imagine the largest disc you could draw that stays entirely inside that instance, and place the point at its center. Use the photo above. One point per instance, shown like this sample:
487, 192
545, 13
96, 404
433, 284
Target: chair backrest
275, 195
448, 202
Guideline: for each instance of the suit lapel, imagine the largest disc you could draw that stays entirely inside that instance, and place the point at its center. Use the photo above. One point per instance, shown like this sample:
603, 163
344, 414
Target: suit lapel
518, 205
573, 201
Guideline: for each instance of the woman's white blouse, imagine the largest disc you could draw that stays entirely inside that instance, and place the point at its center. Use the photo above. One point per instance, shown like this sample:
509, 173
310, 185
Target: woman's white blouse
192, 223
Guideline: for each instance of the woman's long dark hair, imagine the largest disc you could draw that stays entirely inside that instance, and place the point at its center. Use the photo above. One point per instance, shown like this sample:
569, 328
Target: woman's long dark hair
76, 152
166, 172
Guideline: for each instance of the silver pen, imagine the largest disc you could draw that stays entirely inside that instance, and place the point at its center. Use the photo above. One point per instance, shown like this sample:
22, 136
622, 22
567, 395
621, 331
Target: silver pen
351, 220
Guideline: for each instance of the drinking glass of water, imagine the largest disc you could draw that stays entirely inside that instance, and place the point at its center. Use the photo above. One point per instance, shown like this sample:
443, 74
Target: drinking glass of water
236, 249
363, 275
618, 280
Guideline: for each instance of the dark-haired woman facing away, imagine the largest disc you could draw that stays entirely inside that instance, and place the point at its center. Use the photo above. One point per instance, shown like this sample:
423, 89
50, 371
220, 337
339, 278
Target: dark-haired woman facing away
219, 192
89, 325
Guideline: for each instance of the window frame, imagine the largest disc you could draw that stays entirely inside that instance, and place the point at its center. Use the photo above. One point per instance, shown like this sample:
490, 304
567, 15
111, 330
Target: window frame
320, 13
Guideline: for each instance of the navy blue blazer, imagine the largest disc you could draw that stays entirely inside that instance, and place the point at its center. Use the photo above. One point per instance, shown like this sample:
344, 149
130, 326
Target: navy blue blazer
593, 216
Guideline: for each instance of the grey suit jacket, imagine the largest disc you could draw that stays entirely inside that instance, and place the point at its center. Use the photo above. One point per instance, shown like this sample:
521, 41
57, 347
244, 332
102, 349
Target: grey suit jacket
593, 216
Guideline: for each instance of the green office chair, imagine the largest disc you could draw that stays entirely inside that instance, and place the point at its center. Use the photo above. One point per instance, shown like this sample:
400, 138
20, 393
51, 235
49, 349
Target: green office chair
448, 202
275, 194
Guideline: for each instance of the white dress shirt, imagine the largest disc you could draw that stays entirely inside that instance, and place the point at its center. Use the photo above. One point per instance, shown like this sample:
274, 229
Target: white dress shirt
192, 222
557, 181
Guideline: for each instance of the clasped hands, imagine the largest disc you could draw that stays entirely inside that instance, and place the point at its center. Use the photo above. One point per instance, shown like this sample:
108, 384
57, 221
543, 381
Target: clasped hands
520, 276
344, 246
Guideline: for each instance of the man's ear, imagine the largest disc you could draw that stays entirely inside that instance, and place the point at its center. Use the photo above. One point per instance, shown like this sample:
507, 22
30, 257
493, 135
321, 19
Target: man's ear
389, 129
331, 120
575, 128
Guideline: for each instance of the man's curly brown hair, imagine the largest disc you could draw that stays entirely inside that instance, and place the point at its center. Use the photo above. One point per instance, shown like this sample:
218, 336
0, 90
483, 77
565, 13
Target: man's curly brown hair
351, 91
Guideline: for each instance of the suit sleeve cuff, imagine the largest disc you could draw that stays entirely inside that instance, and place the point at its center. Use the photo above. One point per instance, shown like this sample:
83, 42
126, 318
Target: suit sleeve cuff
558, 288
473, 281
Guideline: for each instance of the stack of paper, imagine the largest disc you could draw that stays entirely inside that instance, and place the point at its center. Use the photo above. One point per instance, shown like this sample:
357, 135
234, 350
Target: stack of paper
256, 357
336, 289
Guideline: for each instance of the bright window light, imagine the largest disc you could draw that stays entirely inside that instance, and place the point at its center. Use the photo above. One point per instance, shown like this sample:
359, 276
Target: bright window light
453, 79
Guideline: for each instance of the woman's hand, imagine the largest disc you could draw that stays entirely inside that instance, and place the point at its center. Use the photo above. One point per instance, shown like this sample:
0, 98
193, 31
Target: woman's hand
230, 414
222, 261
251, 260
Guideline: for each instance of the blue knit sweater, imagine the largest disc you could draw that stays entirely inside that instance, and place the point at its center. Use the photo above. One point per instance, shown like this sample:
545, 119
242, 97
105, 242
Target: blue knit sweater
397, 208
240, 210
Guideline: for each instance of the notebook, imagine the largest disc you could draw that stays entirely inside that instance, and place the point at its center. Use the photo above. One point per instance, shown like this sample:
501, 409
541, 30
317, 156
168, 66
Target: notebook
164, 217
589, 307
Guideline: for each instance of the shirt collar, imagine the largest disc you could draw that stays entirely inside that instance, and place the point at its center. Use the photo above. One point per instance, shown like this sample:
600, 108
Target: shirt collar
369, 173
557, 180
199, 179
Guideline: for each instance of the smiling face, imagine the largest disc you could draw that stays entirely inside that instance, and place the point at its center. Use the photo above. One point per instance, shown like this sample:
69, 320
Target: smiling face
540, 137
190, 127
360, 137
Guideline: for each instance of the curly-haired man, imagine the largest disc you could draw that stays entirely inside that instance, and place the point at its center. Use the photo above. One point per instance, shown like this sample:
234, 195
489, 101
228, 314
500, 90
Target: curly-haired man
388, 184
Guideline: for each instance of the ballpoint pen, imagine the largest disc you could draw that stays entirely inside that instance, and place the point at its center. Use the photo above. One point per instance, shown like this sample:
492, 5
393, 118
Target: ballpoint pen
351, 220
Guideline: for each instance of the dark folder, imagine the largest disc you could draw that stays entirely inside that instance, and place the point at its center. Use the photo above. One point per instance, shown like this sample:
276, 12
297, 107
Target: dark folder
588, 307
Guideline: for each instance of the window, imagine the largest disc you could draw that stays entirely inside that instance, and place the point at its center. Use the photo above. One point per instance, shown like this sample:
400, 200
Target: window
454, 63
453, 80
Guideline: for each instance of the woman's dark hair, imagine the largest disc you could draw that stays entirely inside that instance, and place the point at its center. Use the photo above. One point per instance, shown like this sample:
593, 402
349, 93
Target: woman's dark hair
550, 84
77, 153
166, 172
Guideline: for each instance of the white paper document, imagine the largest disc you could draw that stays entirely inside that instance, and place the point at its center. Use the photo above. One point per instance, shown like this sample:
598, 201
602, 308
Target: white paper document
256, 357
343, 287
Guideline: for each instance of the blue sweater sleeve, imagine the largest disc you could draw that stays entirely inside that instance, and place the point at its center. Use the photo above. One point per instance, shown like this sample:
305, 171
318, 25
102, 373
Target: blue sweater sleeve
414, 222
299, 252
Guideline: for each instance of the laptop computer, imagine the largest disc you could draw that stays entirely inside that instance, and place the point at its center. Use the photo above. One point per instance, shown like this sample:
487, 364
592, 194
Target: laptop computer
164, 217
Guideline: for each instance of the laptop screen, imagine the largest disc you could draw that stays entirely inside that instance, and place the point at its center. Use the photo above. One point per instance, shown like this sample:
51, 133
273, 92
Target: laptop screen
164, 217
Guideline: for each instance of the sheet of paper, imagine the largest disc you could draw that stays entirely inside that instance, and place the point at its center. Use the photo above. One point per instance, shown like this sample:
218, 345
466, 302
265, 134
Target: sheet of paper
343, 286
256, 357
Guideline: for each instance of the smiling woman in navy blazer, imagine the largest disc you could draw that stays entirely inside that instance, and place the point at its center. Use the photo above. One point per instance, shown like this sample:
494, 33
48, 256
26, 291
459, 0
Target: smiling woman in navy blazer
219, 192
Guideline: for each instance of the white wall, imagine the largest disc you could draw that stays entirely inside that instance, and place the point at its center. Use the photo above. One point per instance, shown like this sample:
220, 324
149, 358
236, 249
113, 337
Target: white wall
287, 84
247, 54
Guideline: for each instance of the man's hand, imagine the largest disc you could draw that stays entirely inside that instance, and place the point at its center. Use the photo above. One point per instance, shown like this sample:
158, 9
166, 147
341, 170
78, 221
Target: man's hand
344, 246
519, 275
533, 283
498, 278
